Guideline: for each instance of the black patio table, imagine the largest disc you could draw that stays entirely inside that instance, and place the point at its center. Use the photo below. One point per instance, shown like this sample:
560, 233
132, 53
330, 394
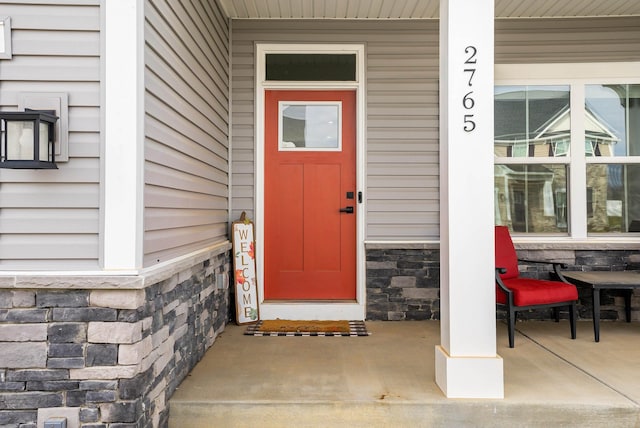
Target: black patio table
602, 280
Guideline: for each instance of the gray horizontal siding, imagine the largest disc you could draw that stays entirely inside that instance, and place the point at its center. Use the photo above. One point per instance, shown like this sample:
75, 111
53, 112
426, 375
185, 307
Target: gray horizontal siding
402, 137
58, 15
28, 220
242, 121
48, 251
186, 128
567, 40
50, 219
401, 114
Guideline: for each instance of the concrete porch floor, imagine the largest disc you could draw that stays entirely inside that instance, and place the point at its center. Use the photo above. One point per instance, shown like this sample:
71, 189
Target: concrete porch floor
387, 380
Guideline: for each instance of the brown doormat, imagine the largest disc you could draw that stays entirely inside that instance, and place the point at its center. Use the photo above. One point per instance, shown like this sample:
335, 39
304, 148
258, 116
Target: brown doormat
307, 328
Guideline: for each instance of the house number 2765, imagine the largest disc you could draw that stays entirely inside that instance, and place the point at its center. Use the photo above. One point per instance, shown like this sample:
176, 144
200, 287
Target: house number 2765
468, 102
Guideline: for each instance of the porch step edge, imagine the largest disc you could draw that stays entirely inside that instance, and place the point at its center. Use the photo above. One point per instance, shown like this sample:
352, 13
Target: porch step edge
397, 413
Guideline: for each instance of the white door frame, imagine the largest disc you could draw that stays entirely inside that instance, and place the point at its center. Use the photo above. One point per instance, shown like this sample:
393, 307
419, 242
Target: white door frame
308, 310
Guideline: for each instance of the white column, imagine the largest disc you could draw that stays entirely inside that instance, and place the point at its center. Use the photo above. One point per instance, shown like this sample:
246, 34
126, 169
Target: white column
123, 134
467, 365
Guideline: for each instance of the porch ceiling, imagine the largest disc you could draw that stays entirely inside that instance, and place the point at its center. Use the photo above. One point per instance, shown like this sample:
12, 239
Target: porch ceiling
420, 9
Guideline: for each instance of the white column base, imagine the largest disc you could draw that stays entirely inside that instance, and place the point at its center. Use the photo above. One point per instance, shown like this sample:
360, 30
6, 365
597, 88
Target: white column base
469, 377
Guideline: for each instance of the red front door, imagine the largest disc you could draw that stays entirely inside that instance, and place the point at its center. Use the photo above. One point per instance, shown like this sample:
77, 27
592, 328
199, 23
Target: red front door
310, 195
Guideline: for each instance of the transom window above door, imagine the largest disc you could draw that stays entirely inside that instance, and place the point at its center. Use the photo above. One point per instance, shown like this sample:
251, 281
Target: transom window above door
308, 67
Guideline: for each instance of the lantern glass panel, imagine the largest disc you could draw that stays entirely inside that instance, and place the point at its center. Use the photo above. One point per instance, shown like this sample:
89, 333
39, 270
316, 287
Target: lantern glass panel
43, 154
20, 140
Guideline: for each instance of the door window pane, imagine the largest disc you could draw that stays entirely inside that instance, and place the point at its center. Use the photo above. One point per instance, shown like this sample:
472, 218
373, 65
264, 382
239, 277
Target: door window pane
615, 197
612, 120
313, 126
532, 121
532, 198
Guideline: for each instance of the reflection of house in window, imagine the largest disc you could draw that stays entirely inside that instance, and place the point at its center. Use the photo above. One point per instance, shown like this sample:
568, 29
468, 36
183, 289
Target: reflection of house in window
528, 198
535, 123
602, 185
560, 148
589, 202
518, 149
549, 131
561, 208
519, 210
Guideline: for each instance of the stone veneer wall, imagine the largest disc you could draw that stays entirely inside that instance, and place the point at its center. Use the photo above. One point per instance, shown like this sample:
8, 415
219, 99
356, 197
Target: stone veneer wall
611, 301
110, 352
404, 284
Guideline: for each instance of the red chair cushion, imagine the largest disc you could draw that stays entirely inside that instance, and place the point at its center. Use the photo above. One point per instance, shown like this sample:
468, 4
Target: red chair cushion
529, 292
506, 256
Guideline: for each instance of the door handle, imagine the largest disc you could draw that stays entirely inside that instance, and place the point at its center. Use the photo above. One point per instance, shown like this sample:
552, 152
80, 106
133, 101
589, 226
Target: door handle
348, 210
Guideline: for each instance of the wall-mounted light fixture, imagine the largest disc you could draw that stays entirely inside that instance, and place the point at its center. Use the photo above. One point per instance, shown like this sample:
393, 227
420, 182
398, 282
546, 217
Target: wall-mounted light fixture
27, 139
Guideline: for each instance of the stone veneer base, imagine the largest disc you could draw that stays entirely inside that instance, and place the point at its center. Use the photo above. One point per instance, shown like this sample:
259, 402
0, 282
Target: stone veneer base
108, 350
404, 283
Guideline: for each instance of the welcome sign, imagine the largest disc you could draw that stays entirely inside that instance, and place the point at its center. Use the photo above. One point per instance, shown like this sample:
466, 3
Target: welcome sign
246, 287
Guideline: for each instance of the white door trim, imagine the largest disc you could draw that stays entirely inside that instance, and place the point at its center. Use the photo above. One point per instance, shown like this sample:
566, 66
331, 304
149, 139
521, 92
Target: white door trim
308, 310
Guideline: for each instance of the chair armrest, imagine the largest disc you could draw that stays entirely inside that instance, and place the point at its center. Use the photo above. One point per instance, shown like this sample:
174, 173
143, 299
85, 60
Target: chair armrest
547, 262
500, 270
560, 275
556, 267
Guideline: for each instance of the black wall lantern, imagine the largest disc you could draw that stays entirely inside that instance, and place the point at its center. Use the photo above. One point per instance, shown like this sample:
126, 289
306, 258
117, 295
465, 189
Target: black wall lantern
28, 139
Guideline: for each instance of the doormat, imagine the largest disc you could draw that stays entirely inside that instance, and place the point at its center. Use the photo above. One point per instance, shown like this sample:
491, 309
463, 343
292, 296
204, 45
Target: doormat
307, 328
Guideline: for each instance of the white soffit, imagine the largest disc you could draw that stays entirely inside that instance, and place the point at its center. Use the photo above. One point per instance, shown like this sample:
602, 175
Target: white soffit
420, 9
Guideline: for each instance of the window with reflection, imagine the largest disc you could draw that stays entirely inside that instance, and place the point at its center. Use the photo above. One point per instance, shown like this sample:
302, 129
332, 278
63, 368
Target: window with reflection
612, 120
532, 121
615, 197
612, 139
533, 125
531, 198
310, 126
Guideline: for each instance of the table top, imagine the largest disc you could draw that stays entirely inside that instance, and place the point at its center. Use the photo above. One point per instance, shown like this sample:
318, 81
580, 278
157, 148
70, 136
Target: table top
605, 278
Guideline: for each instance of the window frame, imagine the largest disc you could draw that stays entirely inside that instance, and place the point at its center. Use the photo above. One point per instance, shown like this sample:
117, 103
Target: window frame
576, 76
283, 104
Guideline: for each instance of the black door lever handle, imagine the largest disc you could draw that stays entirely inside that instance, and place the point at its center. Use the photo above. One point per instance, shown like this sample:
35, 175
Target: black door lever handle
348, 210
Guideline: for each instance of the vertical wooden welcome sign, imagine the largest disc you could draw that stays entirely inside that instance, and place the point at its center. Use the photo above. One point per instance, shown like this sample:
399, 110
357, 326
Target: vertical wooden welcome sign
246, 287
